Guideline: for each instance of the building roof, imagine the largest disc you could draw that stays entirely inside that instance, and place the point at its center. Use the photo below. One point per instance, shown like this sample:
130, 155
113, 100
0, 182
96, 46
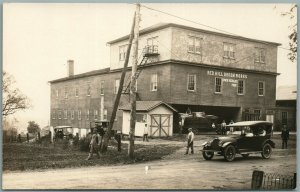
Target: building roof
146, 106
286, 93
87, 74
159, 26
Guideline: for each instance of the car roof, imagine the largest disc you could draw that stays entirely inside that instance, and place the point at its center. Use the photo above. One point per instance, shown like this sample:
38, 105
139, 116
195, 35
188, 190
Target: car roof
62, 126
249, 123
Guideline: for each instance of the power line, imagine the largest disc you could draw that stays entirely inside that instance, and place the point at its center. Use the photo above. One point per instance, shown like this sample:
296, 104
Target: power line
204, 25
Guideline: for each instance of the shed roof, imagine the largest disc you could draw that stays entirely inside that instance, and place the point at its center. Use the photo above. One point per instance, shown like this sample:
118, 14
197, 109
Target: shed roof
146, 106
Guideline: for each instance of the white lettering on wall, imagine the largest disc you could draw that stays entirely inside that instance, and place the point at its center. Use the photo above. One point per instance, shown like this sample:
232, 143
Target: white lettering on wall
227, 74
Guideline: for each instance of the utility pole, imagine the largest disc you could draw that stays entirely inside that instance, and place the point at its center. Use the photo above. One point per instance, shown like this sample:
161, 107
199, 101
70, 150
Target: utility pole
133, 83
117, 100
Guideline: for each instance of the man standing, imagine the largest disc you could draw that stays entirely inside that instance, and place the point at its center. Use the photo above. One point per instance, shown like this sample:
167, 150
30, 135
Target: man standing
223, 128
118, 138
94, 144
145, 136
190, 140
284, 136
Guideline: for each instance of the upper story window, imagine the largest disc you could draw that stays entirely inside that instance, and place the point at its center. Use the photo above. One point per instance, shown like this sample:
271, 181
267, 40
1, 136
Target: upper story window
65, 114
66, 93
152, 45
56, 93
102, 88
76, 92
53, 114
87, 114
79, 114
72, 114
194, 44
241, 87
105, 114
154, 82
218, 85
59, 114
261, 88
117, 84
88, 92
95, 114
122, 52
229, 50
260, 55
191, 85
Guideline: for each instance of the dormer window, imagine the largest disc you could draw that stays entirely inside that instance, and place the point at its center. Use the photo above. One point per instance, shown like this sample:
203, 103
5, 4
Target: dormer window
229, 50
260, 55
122, 52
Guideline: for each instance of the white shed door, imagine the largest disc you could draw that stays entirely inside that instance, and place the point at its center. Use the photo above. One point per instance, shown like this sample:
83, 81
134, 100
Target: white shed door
160, 125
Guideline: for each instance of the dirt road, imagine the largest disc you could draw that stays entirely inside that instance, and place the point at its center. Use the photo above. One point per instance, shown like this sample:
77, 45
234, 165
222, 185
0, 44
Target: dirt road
176, 171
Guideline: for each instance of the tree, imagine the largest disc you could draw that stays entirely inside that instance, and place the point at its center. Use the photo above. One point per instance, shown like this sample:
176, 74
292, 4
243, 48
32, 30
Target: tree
33, 127
292, 55
13, 99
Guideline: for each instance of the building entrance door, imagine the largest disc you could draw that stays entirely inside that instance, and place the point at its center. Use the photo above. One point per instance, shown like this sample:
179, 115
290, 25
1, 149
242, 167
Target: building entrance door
160, 125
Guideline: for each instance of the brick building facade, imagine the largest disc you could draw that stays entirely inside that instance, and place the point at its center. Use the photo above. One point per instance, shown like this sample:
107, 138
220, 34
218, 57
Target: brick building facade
229, 76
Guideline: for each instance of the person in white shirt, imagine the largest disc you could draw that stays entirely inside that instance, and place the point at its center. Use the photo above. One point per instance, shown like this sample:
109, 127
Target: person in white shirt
145, 136
190, 139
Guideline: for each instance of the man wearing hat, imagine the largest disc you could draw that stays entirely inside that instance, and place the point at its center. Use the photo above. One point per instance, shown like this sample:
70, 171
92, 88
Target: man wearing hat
190, 144
94, 144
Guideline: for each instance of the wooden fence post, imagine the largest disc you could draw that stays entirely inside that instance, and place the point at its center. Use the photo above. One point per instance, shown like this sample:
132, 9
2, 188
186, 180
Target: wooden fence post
295, 181
257, 179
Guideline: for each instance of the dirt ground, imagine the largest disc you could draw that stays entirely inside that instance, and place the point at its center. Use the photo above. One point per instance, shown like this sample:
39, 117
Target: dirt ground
176, 171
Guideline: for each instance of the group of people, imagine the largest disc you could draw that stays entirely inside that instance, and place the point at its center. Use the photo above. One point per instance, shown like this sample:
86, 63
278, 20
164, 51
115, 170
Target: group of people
223, 127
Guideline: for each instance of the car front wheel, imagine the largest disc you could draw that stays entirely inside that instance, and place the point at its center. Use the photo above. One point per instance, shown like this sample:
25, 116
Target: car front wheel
229, 153
208, 155
266, 151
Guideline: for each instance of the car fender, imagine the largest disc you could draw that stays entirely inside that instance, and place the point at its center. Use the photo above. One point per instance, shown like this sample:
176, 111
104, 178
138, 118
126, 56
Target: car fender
226, 144
270, 142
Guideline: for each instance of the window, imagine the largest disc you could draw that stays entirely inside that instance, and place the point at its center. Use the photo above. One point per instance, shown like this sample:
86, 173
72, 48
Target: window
218, 85
56, 93
53, 114
88, 90
79, 114
66, 93
284, 116
72, 114
229, 50
96, 114
65, 114
87, 114
194, 44
102, 88
154, 82
260, 55
59, 114
257, 114
117, 84
76, 92
141, 117
261, 88
105, 114
152, 45
191, 86
241, 87
122, 52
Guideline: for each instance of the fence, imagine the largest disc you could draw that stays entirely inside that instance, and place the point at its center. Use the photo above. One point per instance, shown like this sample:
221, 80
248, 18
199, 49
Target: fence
271, 181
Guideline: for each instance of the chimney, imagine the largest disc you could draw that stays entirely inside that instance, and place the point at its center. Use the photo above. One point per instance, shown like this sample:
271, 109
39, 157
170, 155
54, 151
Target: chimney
70, 68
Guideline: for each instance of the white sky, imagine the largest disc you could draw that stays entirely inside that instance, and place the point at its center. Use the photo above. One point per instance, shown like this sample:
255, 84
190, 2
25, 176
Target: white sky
38, 39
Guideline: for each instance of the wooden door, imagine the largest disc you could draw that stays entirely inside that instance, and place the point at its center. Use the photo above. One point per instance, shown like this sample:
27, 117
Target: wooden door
160, 125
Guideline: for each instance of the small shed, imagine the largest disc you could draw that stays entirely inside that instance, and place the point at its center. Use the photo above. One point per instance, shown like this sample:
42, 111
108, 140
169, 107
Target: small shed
157, 116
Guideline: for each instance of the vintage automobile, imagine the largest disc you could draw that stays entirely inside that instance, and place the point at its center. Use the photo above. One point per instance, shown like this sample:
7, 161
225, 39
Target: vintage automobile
245, 138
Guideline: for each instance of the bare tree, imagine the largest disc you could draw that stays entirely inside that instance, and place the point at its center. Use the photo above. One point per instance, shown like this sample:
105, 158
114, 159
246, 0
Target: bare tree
13, 99
292, 13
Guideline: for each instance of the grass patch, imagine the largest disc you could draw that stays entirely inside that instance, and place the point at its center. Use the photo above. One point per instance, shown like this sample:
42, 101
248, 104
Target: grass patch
24, 156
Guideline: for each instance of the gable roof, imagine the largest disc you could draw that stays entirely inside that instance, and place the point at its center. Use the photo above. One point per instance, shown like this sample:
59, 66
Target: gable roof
159, 26
146, 106
286, 93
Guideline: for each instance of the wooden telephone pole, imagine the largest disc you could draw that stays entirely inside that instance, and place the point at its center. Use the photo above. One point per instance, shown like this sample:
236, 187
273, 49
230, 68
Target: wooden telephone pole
133, 83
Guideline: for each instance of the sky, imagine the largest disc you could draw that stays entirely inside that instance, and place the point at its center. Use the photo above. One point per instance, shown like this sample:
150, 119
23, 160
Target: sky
38, 39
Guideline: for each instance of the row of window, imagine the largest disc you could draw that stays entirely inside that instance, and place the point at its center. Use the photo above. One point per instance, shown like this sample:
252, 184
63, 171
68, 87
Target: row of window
191, 85
72, 114
153, 87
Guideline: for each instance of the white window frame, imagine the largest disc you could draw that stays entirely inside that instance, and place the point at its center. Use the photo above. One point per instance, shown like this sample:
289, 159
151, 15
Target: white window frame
102, 87
229, 50
59, 114
260, 55
243, 92
221, 85
154, 82
57, 93
264, 87
65, 114
122, 52
79, 114
89, 89
87, 117
53, 114
104, 114
192, 43
72, 114
116, 86
66, 93
188, 82
95, 114
76, 92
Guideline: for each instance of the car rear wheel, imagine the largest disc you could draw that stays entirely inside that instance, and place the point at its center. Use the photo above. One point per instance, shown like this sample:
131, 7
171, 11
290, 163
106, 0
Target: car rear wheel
229, 153
245, 155
266, 151
208, 155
